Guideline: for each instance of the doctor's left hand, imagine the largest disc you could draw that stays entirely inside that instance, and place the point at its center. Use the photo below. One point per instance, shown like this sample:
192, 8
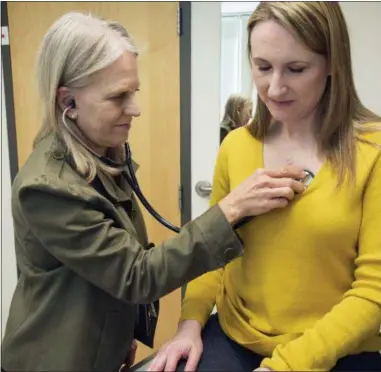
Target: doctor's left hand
132, 353
130, 360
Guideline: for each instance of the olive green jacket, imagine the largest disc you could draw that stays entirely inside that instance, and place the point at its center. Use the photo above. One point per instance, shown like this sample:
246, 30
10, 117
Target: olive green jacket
84, 268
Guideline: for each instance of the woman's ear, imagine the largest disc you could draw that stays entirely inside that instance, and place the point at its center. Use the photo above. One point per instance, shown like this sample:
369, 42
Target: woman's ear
64, 98
329, 68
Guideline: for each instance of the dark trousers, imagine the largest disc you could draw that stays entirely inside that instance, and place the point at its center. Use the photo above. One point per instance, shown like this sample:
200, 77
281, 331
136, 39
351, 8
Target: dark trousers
222, 354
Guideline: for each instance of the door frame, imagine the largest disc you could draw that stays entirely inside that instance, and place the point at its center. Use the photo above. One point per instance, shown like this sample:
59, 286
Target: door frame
185, 110
8, 91
184, 30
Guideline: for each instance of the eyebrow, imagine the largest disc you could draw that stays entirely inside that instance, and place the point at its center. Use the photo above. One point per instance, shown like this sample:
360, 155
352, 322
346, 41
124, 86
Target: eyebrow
121, 90
258, 59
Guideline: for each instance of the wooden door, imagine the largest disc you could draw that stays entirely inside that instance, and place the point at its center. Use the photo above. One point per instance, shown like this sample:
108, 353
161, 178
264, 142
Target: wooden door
155, 136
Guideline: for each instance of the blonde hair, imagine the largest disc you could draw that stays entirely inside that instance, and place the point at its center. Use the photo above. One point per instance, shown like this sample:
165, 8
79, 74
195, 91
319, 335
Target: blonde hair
236, 106
321, 27
76, 46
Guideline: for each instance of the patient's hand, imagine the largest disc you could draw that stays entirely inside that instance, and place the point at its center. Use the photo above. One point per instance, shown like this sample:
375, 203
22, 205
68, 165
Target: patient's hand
262, 369
186, 344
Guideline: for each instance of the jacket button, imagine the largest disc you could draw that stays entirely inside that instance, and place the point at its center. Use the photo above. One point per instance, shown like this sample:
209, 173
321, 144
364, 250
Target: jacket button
230, 254
58, 155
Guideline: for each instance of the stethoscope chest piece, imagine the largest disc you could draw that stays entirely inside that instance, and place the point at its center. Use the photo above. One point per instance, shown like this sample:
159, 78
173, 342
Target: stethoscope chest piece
308, 178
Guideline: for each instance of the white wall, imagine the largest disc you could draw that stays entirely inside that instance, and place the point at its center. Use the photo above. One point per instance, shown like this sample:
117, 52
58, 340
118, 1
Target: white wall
364, 26
8, 258
235, 66
233, 7
205, 94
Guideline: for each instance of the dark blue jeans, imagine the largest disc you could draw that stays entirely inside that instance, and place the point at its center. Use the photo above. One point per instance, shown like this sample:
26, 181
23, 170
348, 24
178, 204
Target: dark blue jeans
223, 354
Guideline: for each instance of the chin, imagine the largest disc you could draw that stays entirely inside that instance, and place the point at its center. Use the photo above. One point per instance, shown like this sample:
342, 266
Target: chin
120, 141
278, 116
116, 144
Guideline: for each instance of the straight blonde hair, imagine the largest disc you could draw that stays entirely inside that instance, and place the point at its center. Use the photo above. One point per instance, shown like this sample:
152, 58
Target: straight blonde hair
76, 46
321, 27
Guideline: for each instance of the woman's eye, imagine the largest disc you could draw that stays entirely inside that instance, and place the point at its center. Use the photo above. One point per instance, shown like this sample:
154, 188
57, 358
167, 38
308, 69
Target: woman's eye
117, 98
264, 68
296, 70
124, 95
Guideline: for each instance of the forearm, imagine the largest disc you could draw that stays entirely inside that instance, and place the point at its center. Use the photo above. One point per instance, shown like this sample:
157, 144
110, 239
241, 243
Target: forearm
204, 245
336, 335
200, 297
83, 239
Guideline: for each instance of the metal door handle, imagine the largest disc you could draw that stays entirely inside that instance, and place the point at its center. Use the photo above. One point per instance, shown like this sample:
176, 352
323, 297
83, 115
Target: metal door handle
203, 188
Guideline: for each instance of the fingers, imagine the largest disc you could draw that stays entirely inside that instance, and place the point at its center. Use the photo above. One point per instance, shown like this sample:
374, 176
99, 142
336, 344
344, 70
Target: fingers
172, 361
158, 364
165, 360
290, 183
193, 359
276, 203
290, 171
279, 192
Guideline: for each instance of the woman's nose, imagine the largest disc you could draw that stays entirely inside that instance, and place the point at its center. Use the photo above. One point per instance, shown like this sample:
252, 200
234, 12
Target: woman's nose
277, 87
132, 109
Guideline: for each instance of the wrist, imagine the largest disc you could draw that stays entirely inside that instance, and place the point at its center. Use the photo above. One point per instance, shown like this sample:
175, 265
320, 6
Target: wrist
190, 326
230, 210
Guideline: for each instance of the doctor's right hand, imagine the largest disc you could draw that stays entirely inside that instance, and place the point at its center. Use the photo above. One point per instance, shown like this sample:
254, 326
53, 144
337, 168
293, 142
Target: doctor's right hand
186, 344
264, 190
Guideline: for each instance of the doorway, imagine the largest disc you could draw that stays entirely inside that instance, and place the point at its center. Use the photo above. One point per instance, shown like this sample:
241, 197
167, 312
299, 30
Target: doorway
156, 138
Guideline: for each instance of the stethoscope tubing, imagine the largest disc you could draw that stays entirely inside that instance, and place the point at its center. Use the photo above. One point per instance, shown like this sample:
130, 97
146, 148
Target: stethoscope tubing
134, 184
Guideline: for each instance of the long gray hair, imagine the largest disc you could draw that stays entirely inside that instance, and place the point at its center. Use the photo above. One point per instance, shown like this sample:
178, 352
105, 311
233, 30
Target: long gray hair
76, 46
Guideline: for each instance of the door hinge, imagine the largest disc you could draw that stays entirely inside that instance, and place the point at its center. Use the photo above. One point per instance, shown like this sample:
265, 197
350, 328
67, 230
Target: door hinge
180, 200
179, 23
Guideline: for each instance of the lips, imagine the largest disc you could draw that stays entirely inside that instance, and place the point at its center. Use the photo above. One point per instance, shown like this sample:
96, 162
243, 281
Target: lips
126, 125
281, 103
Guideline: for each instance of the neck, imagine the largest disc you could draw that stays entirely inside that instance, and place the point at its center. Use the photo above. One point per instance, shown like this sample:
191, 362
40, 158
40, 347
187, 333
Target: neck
303, 131
84, 140
101, 151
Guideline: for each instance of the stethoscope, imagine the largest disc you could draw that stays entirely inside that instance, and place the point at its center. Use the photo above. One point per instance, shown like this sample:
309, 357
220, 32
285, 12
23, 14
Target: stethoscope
130, 175
134, 184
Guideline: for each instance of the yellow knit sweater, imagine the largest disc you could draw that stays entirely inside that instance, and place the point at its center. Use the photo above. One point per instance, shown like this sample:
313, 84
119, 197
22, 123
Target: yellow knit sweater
308, 289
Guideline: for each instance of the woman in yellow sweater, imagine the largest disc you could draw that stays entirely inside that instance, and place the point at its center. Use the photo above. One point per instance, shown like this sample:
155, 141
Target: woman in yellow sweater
306, 295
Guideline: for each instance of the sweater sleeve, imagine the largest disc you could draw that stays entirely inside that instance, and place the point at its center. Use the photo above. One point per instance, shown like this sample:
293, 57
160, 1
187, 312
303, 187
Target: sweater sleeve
200, 295
358, 316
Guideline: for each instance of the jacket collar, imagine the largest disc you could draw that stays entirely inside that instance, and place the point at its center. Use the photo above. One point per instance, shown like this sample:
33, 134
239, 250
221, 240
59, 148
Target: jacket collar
117, 188
115, 193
